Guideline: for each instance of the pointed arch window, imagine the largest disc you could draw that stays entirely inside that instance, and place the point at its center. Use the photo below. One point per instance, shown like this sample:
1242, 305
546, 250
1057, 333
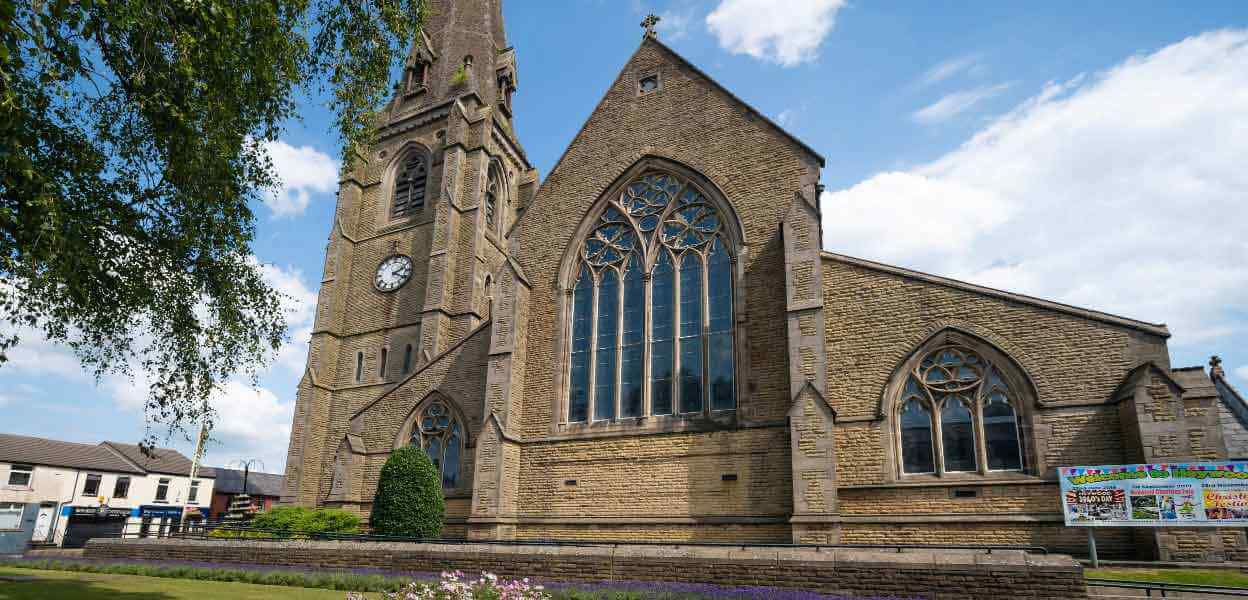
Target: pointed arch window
409, 185
493, 189
441, 436
957, 414
652, 317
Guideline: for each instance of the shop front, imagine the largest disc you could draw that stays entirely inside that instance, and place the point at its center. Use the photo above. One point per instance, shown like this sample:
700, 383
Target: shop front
158, 521
86, 522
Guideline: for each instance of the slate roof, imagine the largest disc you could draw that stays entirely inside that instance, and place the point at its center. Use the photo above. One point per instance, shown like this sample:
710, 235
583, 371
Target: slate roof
161, 460
54, 453
230, 481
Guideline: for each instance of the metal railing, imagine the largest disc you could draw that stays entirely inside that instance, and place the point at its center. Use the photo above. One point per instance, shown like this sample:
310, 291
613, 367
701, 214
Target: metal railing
226, 530
1162, 588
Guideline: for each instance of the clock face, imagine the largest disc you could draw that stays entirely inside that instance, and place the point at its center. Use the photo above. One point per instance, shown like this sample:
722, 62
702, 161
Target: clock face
393, 273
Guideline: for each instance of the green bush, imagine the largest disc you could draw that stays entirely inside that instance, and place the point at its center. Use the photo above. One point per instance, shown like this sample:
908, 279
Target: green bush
409, 496
298, 521
227, 533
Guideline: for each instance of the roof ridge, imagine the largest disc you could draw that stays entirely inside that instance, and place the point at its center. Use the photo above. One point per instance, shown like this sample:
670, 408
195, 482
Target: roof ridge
735, 98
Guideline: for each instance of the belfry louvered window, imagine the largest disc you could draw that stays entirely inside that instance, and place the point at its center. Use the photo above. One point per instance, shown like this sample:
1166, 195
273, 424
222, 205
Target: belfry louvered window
651, 329
409, 185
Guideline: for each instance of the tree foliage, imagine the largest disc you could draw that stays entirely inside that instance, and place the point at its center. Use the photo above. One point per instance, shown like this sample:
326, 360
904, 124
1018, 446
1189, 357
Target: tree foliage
409, 498
132, 136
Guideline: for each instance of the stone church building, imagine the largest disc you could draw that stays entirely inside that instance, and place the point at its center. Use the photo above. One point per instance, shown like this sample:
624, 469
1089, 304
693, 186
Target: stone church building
650, 343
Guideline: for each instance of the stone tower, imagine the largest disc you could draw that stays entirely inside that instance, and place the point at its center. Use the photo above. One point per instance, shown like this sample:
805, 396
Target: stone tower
422, 221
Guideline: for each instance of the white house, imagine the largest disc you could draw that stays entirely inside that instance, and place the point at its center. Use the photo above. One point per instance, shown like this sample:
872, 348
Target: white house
63, 493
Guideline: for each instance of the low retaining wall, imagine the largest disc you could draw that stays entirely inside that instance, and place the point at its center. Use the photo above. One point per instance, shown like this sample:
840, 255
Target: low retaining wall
934, 574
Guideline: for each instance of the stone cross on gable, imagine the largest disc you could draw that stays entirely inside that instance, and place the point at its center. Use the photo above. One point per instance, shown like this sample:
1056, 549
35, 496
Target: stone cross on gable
649, 23
1215, 367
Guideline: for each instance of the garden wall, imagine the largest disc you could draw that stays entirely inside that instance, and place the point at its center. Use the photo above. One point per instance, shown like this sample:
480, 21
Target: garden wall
931, 574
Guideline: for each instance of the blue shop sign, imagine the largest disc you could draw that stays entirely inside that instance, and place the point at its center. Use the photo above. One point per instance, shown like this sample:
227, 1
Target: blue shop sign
160, 512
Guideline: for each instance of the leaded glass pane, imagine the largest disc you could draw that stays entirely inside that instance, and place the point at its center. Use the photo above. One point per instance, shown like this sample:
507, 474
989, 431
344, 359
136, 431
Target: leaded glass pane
632, 340
1001, 435
916, 438
719, 303
450, 466
582, 312
433, 447
608, 326
691, 333
662, 333
957, 434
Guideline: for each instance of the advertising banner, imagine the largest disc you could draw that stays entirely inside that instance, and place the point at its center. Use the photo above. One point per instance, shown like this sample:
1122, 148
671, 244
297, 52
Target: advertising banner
1213, 494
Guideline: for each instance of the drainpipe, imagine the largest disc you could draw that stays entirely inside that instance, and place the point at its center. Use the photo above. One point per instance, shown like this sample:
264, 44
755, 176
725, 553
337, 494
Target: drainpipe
56, 518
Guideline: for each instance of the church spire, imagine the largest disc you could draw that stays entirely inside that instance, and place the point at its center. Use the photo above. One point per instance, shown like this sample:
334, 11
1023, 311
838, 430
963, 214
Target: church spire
462, 51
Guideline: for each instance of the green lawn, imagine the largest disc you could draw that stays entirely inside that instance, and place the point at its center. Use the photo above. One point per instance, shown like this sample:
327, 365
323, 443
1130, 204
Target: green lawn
1224, 578
65, 585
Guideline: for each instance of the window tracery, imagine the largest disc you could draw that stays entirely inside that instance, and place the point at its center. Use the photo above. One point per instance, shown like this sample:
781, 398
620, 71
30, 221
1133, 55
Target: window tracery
440, 435
652, 307
957, 414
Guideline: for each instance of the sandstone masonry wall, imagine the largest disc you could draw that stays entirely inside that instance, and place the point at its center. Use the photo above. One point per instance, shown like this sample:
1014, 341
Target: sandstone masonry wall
928, 574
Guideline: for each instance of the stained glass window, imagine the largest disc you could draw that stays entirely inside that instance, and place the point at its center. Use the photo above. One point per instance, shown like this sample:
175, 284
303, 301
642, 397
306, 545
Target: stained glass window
678, 321
441, 436
973, 401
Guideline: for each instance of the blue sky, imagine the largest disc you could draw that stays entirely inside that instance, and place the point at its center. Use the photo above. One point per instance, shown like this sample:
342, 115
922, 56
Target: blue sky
1090, 153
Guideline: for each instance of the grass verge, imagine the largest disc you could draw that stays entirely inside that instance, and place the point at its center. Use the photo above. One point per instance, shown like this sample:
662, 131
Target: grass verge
340, 581
1222, 578
65, 585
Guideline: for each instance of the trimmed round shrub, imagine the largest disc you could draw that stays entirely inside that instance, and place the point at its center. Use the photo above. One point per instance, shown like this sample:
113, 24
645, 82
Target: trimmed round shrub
409, 496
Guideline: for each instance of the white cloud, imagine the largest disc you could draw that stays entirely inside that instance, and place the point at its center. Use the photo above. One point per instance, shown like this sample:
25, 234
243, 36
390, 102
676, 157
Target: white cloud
1122, 191
1242, 373
251, 423
948, 68
787, 36
34, 355
786, 117
300, 308
5, 400
303, 171
956, 103
673, 26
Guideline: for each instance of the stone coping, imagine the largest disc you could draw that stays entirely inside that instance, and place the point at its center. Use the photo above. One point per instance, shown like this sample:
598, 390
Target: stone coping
823, 557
